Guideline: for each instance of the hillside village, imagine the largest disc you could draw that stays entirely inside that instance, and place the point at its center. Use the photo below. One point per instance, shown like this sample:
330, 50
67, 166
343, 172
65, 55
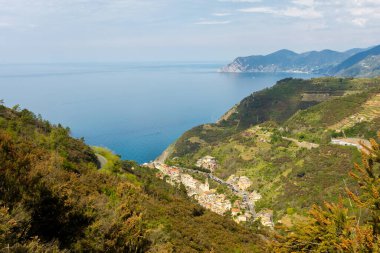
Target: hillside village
241, 210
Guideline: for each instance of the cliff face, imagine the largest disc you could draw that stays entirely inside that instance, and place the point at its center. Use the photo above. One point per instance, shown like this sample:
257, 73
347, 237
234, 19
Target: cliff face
237, 66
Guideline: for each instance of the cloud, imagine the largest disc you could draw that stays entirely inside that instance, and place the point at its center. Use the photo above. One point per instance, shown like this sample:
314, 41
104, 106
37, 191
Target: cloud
360, 22
213, 22
39, 28
366, 2
241, 1
221, 14
5, 24
317, 26
309, 13
265, 10
365, 12
309, 3
352, 12
295, 12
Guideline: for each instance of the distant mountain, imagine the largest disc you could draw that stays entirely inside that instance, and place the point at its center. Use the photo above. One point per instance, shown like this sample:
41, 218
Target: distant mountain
363, 64
320, 62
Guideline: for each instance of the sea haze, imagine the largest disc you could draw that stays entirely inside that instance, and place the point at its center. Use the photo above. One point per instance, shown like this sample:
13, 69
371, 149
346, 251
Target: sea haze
137, 110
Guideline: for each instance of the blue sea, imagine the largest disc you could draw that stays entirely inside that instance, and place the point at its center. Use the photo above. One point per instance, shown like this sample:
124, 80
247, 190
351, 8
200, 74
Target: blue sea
136, 110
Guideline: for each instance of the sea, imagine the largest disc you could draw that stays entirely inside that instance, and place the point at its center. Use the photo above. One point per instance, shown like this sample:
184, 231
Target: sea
135, 109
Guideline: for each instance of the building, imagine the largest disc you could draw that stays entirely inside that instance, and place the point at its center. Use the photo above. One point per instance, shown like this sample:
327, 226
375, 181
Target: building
204, 187
207, 162
241, 183
266, 218
254, 196
235, 211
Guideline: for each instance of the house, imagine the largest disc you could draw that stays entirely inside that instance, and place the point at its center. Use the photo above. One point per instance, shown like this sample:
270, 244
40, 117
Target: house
235, 211
204, 187
241, 218
241, 183
207, 162
254, 196
266, 217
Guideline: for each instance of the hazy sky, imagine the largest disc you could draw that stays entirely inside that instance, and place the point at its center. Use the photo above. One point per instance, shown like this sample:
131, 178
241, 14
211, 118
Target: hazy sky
180, 30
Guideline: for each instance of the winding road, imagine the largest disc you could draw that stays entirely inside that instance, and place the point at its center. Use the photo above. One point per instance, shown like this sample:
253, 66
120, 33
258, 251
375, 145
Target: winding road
102, 160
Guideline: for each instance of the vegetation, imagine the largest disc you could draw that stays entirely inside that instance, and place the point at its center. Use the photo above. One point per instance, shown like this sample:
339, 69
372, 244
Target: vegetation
290, 177
335, 227
113, 162
53, 198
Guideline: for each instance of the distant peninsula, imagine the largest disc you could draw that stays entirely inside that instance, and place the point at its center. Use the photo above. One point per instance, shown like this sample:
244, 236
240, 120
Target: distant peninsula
356, 62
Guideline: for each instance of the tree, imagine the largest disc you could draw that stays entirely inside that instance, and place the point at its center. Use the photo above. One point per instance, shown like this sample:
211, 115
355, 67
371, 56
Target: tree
368, 177
16, 108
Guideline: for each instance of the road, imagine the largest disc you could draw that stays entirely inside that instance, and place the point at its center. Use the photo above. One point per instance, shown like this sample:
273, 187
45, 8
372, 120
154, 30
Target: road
356, 142
302, 144
102, 160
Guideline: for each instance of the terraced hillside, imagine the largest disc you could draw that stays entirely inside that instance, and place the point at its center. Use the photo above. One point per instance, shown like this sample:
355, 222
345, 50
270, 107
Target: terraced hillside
368, 112
280, 139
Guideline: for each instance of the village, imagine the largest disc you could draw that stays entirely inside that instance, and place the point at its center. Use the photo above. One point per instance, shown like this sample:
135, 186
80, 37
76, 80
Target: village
241, 210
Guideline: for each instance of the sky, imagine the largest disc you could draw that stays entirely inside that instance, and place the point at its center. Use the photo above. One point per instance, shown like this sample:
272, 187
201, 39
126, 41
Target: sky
180, 30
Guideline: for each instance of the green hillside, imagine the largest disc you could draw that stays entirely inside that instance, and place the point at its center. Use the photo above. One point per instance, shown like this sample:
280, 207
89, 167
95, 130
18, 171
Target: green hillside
59, 194
362, 64
54, 198
280, 138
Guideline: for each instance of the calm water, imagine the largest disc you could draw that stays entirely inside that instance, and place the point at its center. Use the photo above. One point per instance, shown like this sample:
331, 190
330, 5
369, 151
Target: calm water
137, 110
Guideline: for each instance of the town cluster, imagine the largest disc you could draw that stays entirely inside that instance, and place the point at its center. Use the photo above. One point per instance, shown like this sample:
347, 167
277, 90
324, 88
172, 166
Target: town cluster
205, 196
241, 210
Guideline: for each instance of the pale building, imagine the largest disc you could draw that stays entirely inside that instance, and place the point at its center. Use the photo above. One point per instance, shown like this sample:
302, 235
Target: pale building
207, 162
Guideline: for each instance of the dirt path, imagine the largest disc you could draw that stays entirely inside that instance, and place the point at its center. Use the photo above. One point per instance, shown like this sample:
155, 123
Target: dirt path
302, 144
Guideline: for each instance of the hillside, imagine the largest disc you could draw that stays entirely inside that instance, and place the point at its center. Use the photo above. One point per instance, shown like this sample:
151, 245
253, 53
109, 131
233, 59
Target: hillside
288, 61
280, 139
54, 197
356, 59
351, 63
270, 157
367, 67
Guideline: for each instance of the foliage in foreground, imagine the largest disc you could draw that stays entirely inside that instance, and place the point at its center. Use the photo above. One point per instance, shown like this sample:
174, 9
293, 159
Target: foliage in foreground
53, 198
332, 228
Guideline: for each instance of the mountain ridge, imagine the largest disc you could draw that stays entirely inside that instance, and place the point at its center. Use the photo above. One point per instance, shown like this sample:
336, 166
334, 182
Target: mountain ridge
324, 62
